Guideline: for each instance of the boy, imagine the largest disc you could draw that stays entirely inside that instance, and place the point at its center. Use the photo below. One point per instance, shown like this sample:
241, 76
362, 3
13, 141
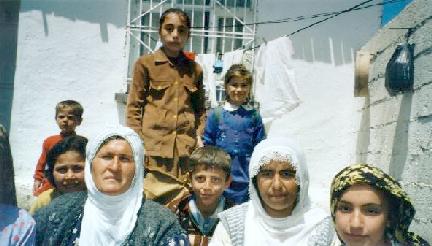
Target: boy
68, 116
210, 169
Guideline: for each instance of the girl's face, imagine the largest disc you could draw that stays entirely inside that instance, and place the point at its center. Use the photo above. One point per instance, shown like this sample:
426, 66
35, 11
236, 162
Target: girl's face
277, 187
113, 167
238, 90
69, 172
173, 34
361, 216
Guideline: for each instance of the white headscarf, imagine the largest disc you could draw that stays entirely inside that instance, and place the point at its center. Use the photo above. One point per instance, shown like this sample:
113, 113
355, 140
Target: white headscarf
260, 228
108, 220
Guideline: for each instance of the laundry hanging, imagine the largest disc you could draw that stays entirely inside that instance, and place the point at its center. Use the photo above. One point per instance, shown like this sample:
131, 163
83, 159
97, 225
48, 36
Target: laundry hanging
275, 85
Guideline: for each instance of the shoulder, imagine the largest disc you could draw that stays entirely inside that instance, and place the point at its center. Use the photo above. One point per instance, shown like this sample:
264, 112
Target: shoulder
62, 206
153, 212
157, 224
234, 215
323, 233
52, 139
42, 200
18, 215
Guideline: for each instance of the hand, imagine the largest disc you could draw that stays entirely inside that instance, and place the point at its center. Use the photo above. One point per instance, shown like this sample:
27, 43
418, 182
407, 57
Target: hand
36, 185
199, 142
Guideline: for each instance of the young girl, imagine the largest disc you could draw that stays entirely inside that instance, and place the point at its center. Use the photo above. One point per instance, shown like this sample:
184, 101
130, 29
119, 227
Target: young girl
370, 208
166, 107
236, 128
65, 163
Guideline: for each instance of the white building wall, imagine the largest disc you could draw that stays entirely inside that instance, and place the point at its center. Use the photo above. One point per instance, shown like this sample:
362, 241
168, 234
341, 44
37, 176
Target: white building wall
74, 50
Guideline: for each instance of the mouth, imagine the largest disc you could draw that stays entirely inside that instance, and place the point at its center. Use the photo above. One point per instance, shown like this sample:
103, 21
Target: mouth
355, 237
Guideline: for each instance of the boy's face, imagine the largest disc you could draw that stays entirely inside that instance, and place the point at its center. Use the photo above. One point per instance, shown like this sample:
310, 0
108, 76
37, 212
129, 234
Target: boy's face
208, 184
67, 121
238, 90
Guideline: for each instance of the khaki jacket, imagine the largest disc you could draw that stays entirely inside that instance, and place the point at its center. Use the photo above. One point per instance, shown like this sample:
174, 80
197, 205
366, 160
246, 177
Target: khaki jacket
166, 104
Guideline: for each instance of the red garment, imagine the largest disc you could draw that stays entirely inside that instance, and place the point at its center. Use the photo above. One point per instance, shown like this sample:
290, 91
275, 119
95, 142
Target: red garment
48, 143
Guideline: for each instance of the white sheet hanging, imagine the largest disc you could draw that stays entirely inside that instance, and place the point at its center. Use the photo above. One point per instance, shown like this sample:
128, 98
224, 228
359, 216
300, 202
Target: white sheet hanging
275, 87
207, 61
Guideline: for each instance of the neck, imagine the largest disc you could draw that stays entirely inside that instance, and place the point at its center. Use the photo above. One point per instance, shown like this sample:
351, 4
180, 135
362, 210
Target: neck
171, 54
65, 134
206, 211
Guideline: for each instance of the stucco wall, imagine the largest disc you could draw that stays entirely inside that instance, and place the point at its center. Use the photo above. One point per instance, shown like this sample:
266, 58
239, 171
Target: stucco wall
66, 50
396, 130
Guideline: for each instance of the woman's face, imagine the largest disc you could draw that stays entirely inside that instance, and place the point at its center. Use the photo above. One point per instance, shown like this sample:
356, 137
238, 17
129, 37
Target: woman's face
68, 172
361, 216
113, 167
277, 186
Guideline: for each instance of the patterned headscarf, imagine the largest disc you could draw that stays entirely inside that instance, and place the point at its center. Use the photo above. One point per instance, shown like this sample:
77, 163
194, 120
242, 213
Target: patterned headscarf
375, 177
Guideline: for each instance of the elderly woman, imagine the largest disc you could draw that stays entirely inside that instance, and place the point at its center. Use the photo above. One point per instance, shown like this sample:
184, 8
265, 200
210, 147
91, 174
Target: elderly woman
369, 208
280, 211
113, 211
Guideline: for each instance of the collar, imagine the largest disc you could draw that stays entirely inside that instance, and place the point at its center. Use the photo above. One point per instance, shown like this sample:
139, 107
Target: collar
161, 57
205, 225
231, 107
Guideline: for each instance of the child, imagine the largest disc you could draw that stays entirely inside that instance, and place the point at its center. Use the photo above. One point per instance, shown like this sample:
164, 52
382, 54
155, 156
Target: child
236, 128
166, 107
210, 173
364, 200
65, 162
68, 116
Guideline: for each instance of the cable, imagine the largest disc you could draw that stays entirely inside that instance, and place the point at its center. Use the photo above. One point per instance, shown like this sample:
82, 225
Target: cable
355, 7
302, 18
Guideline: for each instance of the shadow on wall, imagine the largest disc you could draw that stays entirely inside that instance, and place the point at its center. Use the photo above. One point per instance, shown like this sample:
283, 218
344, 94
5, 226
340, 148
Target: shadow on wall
103, 12
9, 12
400, 141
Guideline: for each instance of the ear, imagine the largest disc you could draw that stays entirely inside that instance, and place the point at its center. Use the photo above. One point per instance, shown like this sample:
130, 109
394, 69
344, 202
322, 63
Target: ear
79, 121
228, 182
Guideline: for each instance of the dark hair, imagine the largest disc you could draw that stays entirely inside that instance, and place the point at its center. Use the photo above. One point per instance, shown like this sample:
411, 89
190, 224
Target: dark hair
175, 11
108, 139
72, 143
208, 157
238, 70
76, 107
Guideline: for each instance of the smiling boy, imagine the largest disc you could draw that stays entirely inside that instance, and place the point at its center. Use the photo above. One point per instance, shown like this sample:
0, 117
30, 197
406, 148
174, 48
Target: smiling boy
210, 174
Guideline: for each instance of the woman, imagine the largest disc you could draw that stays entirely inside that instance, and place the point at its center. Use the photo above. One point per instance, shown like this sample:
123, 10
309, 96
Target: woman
280, 211
370, 208
113, 212
17, 227
65, 163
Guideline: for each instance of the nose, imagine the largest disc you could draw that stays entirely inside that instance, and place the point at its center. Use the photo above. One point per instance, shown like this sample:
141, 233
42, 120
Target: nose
356, 219
276, 183
69, 174
114, 165
175, 34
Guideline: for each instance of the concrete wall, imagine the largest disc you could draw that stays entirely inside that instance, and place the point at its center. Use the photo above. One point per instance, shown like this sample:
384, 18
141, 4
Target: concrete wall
71, 49
396, 130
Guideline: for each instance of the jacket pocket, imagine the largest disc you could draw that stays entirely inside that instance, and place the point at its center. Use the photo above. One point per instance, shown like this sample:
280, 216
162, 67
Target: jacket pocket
159, 84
